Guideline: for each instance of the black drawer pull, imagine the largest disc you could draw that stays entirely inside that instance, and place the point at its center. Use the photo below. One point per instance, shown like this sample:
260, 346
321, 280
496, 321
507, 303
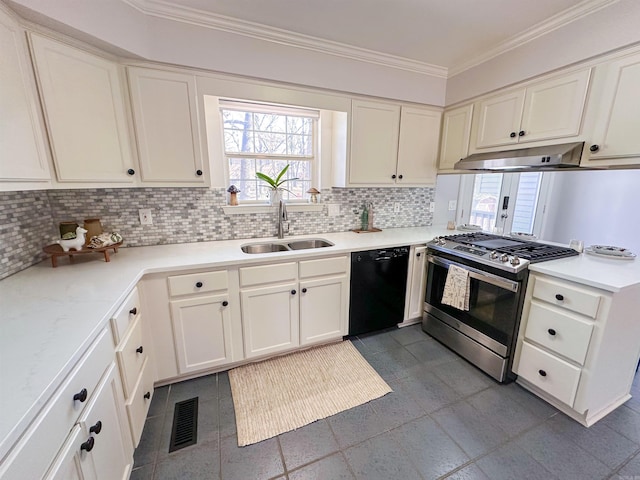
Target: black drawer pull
131, 171
400, 177
393, 176
133, 311
304, 290
521, 133
225, 303
199, 172
293, 292
551, 331
81, 396
97, 428
542, 373
147, 395
88, 445
559, 297
139, 349
594, 148
512, 134
199, 284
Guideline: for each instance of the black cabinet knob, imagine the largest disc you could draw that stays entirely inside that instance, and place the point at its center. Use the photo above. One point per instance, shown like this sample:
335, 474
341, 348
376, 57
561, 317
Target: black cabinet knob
594, 148
393, 176
418, 254
400, 177
88, 445
147, 395
512, 134
199, 173
521, 133
81, 396
542, 373
139, 349
131, 171
133, 311
97, 428
199, 284
304, 290
559, 297
225, 303
551, 331
293, 292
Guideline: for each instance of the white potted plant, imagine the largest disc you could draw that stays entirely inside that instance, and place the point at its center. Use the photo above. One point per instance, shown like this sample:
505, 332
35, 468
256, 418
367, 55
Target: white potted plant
275, 185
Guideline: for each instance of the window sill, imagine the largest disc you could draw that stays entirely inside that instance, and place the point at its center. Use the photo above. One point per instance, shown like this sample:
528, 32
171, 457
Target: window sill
291, 207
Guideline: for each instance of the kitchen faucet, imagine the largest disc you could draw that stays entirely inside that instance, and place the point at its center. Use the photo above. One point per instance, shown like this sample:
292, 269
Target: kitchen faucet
282, 218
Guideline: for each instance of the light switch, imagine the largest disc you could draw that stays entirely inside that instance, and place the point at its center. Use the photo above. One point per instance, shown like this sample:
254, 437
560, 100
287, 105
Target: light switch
452, 205
145, 216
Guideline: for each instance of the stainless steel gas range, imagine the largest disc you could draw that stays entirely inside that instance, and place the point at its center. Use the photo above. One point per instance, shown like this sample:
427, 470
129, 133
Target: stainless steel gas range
497, 270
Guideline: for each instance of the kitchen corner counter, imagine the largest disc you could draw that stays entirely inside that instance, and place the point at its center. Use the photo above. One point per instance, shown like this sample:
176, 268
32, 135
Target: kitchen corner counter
610, 274
50, 316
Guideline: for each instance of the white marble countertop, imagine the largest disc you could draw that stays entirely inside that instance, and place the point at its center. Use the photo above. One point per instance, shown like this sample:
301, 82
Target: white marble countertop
51, 315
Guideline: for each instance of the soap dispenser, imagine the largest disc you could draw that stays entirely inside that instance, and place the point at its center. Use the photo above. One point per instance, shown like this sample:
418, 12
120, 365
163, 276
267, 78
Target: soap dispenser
364, 218
370, 222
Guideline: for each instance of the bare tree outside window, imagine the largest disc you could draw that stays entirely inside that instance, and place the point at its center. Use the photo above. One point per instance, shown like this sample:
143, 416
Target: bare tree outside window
256, 141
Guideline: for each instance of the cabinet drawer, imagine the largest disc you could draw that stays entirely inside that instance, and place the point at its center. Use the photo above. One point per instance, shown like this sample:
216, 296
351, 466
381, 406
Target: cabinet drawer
323, 266
139, 402
280, 272
131, 355
559, 331
125, 315
566, 296
198, 283
547, 372
39, 446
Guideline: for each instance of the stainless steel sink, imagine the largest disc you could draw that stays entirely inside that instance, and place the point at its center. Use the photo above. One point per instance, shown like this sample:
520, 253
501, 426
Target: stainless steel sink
283, 247
264, 247
312, 243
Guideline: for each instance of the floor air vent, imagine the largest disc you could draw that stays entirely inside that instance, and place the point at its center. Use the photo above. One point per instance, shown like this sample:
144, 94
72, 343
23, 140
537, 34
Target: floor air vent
185, 425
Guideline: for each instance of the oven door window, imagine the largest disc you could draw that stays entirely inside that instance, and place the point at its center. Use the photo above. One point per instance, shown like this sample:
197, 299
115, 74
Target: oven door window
492, 309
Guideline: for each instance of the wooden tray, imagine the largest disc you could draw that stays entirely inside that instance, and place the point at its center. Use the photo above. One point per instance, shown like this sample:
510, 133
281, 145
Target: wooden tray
56, 251
357, 230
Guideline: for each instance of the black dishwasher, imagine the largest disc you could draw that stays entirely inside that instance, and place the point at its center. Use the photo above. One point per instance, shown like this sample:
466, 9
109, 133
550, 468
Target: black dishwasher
378, 286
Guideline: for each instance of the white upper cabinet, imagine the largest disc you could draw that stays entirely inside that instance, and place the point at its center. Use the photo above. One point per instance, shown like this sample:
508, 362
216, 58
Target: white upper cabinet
22, 140
166, 124
418, 146
85, 113
616, 109
456, 130
393, 145
542, 111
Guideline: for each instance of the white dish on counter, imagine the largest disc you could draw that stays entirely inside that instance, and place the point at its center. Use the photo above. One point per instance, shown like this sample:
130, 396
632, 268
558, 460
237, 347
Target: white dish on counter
469, 227
523, 236
620, 254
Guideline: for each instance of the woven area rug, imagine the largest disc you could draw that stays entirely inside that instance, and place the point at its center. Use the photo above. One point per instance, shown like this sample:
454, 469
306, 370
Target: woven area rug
288, 392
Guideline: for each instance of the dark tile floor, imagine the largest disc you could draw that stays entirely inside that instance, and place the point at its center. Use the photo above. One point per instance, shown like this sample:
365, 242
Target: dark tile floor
444, 419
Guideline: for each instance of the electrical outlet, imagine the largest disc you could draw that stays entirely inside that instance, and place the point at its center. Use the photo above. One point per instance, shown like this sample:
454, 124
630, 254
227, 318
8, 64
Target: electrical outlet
333, 209
396, 207
145, 216
432, 207
453, 204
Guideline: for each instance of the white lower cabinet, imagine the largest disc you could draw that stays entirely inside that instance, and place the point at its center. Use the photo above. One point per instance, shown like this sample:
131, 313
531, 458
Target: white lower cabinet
578, 346
73, 462
323, 309
416, 285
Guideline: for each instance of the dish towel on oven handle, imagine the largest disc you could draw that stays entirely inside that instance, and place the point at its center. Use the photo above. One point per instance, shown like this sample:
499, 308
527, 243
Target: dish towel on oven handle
456, 288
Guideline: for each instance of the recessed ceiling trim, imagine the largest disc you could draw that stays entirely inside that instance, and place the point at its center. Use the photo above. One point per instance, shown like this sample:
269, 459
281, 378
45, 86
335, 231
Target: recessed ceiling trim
555, 22
168, 11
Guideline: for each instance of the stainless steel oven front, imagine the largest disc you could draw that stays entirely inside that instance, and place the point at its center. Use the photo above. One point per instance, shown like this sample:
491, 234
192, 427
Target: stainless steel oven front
485, 334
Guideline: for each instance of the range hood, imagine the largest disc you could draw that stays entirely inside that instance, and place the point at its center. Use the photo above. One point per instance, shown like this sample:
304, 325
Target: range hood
549, 157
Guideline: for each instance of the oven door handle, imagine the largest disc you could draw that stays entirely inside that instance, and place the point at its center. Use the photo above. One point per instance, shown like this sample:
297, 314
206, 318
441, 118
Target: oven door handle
477, 274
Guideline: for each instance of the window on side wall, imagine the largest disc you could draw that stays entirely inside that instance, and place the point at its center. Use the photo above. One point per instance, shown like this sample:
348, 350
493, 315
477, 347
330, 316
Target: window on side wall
267, 138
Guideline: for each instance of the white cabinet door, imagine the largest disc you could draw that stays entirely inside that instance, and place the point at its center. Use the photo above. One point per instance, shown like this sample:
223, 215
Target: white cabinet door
418, 146
553, 109
270, 318
499, 119
202, 332
73, 462
112, 449
615, 134
84, 110
416, 284
456, 131
374, 142
166, 122
323, 309
22, 140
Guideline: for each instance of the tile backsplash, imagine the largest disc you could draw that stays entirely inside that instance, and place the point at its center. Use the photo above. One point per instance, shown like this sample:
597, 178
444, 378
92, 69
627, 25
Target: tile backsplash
29, 220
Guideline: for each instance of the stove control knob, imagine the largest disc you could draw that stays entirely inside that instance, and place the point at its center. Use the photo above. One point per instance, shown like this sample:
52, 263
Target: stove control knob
493, 255
442, 241
514, 261
436, 240
504, 257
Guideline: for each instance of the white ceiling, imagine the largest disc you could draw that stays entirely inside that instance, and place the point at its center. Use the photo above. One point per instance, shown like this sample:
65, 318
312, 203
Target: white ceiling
453, 34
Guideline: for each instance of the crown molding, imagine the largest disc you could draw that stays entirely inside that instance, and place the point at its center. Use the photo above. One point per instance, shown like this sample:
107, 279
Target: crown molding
168, 11
559, 20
